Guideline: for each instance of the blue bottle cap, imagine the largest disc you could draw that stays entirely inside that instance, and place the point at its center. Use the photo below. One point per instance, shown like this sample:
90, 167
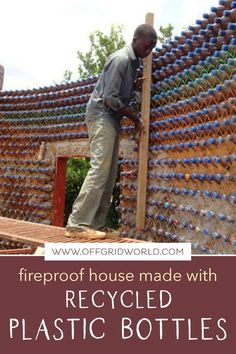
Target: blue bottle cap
202, 32
189, 41
192, 192
198, 22
191, 115
205, 46
231, 26
213, 9
207, 194
218, 20
219, 177
202, 176
161, 217
191, 54
183, 225
216, 124
225, 47
212, 141
213, 40
210, 27
221, 216
226, 13
166, 147
216, 195
180, 46
216, 235
206, 159
211, 91
233, 157
208, 125
216, 54
191, 227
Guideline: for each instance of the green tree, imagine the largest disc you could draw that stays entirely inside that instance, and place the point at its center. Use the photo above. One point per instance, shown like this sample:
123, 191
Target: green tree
76, 173
166, 34
101, 46
67, 76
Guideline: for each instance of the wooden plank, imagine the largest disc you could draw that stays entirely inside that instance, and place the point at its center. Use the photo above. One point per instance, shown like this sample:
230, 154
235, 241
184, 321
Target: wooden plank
38, 234
25, 239
144, 139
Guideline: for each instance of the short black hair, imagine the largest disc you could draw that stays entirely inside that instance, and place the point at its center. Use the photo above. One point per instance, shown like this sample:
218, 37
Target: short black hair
145, 31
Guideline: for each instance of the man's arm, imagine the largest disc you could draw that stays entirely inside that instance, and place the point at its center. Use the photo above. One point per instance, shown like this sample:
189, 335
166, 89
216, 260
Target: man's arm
139, 124
114, 74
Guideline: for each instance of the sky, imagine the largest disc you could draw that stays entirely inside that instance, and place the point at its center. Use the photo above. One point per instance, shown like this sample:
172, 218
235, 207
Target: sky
40, 38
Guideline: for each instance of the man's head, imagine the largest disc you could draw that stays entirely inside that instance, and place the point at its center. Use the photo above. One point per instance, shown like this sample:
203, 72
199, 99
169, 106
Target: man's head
144, 40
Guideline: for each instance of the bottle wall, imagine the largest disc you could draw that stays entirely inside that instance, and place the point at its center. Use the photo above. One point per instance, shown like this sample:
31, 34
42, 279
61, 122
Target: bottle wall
30, 120
192, 153
191, 192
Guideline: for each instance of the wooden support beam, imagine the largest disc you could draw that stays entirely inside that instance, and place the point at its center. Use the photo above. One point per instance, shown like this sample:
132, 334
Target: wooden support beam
59, 192
144, 139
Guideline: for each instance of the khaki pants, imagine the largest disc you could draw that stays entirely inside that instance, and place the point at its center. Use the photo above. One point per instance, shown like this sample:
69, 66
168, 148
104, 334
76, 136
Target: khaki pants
92, 204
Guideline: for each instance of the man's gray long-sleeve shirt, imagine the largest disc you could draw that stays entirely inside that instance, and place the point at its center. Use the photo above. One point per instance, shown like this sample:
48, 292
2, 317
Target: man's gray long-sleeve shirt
114, 87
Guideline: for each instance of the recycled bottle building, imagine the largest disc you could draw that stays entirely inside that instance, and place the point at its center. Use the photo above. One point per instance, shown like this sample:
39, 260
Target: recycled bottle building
191, 193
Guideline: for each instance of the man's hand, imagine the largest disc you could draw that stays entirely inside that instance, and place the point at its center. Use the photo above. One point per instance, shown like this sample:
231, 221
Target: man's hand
138, 83
139, 127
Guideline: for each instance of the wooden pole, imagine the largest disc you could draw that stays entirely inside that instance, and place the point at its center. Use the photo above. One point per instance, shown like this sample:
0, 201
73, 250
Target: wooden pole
59, 192
144, 139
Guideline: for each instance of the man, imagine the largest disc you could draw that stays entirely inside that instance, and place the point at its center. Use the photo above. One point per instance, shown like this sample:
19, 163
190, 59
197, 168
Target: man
106, 107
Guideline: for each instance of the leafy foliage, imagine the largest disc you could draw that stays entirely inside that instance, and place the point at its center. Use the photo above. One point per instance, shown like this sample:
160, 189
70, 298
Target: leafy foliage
102, 45
67, 76
76, 173
166, 34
